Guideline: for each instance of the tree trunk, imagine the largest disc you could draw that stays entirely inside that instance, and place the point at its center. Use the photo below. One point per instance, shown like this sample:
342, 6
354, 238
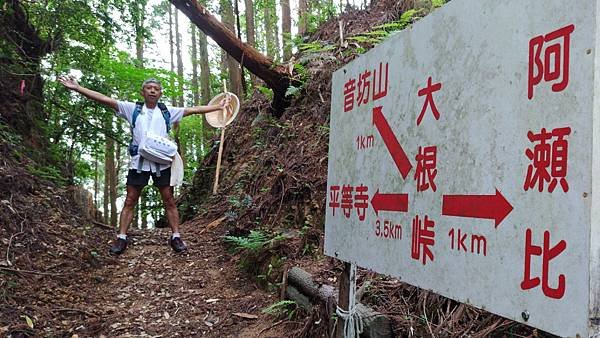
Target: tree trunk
286, 29
195, 91
139, 48
113, 183
274, 75
137, 14
233, 67
135, 222
271, 29
275, 28
179, 60
108, 171
172, 53
302, 17
139, 38
20, 37
205, 90
96, 184
239, 35
269, 39
179, 85
250, 32
106, 190
143, 209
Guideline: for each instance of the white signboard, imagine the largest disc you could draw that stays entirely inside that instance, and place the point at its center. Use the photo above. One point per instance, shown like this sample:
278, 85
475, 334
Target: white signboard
464, 155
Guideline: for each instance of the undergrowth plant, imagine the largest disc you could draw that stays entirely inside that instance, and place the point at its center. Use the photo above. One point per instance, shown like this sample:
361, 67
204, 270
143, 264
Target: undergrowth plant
382, 32
283, 308
254, 242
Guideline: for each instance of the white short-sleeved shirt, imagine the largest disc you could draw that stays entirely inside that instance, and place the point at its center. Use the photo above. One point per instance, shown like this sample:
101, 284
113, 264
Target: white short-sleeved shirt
147, 120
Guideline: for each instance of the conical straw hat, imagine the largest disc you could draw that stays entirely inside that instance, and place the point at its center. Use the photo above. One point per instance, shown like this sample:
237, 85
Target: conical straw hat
221, 118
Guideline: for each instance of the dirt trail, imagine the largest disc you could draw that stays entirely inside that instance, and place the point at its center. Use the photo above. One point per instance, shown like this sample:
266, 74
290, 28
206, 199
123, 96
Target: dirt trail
151, 291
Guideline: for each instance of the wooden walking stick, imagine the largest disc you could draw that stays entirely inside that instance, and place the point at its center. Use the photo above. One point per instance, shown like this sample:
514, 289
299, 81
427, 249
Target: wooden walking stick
216, 185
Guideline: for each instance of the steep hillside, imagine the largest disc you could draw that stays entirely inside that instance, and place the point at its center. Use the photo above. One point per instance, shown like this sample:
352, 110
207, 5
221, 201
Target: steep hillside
271, 200
46, 238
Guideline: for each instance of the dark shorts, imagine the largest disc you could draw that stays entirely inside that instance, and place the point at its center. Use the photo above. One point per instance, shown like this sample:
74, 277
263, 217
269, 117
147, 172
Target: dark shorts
141, 179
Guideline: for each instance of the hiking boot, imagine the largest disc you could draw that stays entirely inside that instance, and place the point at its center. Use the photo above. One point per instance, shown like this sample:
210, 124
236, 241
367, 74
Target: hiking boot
177, 244
119, 246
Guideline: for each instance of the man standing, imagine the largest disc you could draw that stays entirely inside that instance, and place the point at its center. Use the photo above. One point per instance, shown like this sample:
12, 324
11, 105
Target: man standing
152, 117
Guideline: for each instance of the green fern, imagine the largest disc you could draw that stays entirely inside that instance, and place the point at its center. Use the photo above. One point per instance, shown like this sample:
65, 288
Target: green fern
382, 32
255, 241
282, 308
438, 3
408, 17
390, 26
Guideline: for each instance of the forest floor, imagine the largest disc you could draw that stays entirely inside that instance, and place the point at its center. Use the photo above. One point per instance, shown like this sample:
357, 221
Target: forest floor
148, 291
57, 279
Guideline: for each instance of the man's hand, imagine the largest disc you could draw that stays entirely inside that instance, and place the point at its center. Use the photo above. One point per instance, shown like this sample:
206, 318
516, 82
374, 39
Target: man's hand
225, 102
227, 109
69, 82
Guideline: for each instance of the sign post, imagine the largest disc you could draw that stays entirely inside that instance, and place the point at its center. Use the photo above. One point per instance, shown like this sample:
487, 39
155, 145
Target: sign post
464, 153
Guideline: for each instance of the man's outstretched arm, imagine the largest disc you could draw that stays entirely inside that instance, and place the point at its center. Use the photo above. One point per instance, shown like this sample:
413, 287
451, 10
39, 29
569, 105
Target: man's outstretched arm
72, 84
207, 109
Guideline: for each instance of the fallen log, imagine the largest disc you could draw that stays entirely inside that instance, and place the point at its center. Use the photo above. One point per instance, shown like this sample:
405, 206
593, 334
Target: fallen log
302, 289
275, 76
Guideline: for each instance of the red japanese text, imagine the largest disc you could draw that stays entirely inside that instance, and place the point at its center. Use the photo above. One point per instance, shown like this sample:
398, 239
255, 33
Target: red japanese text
423, 236
361, 201
347, 198
364, 87
370, 85
428, 93
349, 88
426, 168
547, 254
549, 161
554, 64
334, 198
380, 86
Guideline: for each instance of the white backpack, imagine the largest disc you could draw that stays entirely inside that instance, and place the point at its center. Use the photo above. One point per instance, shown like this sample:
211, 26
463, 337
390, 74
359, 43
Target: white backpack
157, 149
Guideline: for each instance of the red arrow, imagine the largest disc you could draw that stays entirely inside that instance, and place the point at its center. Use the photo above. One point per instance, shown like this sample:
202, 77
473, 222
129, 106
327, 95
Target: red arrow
389, 202
391, 142
494, 207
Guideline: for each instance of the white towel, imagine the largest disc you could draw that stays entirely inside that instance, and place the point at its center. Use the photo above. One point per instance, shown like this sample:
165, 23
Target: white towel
176, 171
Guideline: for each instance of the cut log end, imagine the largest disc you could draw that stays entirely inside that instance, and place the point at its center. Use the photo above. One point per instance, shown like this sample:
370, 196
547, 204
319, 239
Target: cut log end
305, 292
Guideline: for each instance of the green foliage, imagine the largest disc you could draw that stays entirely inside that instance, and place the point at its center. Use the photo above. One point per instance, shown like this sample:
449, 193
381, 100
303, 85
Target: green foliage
292, 91
324, 129
6, 136
283, 308
268, 92
194, 144
438, 3
302, 72
381, 32
245, 202
270, 275
48, 173
314, 47
255, 241
318, 13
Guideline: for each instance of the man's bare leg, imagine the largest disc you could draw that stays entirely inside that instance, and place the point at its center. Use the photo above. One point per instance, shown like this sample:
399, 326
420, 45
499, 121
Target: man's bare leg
166, 193
133, 194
